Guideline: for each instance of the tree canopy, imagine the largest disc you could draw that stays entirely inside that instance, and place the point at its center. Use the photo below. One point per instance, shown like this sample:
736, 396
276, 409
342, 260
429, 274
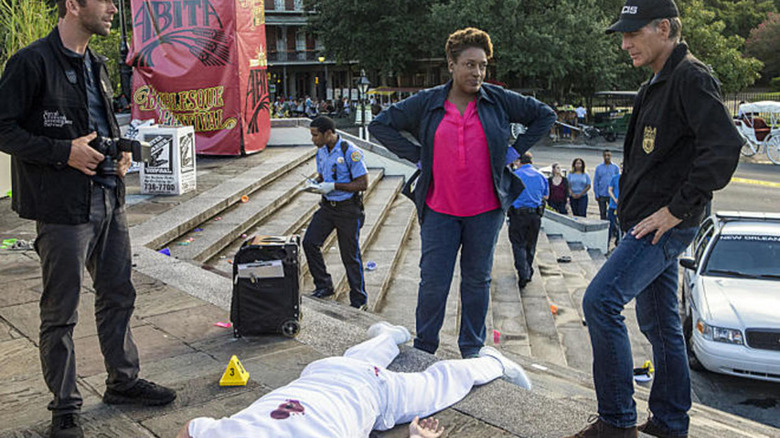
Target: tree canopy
383, 36
764, 44
705, 35
557, 46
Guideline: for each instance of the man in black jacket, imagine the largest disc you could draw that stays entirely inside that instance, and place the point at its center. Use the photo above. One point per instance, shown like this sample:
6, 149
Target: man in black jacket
681, 146
56, 100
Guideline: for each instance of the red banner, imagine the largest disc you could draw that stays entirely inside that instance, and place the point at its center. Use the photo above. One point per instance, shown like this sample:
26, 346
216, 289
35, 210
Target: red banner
203, 63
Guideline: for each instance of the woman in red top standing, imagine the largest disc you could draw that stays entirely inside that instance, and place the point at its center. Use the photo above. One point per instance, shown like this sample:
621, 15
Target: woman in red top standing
559, 190
465, 185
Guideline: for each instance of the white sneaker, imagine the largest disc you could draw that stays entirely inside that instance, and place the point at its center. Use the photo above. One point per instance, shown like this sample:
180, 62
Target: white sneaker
399, 333
513, 372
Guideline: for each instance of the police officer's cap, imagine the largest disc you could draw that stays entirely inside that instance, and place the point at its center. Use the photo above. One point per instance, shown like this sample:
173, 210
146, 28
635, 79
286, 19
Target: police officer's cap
636, 14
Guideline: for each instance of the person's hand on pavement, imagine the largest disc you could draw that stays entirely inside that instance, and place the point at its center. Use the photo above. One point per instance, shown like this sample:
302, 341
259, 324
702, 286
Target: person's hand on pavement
659, 222
427, 428
82, 156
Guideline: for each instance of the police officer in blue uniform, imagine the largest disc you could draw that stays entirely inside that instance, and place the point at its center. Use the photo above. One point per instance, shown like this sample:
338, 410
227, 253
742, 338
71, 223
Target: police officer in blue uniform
525, 217
341, 178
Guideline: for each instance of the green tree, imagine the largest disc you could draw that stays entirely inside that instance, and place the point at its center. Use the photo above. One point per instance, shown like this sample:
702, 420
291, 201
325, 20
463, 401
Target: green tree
704, 34
558, 46
741, 16
21, 23
764, 44
384, 36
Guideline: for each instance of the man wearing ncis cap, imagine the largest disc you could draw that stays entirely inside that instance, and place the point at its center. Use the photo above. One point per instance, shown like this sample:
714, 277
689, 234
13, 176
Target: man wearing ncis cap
681, 145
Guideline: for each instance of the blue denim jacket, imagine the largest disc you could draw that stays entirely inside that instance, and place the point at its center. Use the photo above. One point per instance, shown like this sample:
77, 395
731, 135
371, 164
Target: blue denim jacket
421, 114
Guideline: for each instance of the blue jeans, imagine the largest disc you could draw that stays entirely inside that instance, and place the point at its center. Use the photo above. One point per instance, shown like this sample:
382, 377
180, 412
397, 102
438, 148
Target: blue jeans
614, 229
638, 269
442, 236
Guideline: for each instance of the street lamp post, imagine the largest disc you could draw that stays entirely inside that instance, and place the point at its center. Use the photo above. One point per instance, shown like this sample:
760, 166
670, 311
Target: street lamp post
125, 71
362, 86
325, 81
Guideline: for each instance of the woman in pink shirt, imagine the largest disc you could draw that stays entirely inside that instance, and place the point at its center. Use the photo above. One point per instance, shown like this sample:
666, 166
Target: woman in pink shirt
464, 185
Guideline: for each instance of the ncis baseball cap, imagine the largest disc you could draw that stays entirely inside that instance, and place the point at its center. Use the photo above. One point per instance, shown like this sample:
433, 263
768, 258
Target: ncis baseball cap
637, 13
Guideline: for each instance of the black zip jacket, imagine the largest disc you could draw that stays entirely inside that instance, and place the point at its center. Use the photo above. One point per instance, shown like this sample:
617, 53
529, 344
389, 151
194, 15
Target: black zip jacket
43, 107
681, 144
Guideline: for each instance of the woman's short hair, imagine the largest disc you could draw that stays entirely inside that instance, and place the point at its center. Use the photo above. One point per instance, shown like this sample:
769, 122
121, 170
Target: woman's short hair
467, 38
573, 169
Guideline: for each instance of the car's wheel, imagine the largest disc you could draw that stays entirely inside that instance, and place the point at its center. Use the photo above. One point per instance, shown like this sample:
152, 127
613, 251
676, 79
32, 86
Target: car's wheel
693, 361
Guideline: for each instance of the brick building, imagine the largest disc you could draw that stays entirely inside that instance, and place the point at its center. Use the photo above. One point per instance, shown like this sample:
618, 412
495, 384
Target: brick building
296, 65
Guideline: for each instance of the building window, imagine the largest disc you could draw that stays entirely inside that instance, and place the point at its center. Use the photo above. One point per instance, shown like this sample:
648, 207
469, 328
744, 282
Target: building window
300, 41
298, 5
279, 5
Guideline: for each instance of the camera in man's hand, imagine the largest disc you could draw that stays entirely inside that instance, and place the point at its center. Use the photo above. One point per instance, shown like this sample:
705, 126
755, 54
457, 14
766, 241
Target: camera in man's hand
113, 148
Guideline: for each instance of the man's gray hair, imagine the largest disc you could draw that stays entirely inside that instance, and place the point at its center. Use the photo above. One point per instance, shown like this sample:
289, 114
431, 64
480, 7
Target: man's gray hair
675, 27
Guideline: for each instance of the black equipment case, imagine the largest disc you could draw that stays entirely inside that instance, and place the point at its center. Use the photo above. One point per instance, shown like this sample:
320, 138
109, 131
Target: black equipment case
266, 287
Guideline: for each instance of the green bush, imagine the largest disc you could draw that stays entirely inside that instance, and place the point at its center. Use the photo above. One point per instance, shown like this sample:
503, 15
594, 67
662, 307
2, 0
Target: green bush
775, 83
24, 21
21, 23
108, 46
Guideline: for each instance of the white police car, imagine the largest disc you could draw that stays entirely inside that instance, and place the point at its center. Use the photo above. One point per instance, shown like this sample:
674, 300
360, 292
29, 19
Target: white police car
731, 295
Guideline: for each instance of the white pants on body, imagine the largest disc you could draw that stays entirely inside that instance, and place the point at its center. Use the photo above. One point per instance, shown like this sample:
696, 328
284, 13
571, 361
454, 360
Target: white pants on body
440, 386
347, 397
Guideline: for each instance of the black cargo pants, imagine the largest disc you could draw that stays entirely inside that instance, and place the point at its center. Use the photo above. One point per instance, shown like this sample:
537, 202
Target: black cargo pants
103, 246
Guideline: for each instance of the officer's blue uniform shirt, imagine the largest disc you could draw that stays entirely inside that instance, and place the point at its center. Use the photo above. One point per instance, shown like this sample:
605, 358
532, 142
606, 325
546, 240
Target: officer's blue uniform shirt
615, 184
602, 178
335, 166
536, 187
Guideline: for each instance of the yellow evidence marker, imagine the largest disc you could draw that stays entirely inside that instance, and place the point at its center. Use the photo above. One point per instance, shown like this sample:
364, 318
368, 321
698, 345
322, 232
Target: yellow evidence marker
235, 374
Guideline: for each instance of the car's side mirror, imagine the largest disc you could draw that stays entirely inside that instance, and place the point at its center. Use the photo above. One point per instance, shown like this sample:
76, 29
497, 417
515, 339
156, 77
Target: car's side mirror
688, 263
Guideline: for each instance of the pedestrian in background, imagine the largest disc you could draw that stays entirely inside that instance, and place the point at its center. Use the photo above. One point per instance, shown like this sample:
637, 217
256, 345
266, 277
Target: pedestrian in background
464, 186
525, 218
614, 193
559, 189
681, 145
601, 179
579, 184
581, 112
56, 101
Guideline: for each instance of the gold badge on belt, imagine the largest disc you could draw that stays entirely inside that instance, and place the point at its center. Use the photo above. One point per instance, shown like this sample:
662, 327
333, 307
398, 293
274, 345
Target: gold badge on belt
648, 143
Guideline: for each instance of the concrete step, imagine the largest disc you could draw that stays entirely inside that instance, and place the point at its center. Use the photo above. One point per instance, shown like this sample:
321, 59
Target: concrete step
376, 208
228, 225
287, 219
400, 299
156, 232
505, 302
571, 271
386, 249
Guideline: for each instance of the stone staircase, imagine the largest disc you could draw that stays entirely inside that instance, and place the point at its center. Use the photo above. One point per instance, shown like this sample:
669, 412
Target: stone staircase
206, 229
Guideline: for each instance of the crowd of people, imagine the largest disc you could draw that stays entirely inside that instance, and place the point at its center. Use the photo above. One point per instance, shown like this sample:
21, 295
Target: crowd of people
680, 147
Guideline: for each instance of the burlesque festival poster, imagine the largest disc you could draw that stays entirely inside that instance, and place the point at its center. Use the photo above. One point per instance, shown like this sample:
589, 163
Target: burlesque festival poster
203, 63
